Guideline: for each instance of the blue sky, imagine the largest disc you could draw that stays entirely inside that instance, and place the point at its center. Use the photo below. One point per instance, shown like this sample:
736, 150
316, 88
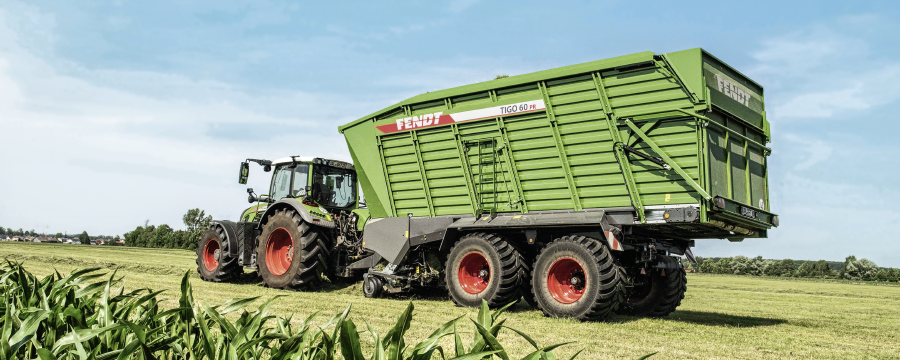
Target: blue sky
117, 112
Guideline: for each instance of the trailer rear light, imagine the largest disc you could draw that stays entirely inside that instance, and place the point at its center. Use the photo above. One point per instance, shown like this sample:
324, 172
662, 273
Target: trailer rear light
775, 220
720, 202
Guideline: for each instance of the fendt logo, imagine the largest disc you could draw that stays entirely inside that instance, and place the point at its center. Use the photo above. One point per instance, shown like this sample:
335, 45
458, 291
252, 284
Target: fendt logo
413, 122
733, 91
439, 118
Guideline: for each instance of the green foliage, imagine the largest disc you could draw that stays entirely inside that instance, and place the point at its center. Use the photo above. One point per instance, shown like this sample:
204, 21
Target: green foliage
196, 220
862, 269
881, 275
80, 316
723, 266
163, 236
893, 275
84, 238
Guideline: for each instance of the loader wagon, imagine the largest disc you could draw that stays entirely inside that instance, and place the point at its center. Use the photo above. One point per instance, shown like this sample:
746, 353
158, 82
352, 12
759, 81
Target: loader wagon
578, 188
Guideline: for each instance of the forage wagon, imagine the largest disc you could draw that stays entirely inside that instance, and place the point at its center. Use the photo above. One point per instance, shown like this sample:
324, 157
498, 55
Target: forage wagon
578, 188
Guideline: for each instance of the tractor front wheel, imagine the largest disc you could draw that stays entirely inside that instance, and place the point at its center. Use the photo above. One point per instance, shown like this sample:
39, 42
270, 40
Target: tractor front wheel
291, 254
214, 260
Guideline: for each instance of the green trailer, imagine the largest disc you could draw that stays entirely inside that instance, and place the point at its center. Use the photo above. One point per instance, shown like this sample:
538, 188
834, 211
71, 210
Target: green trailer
578, 188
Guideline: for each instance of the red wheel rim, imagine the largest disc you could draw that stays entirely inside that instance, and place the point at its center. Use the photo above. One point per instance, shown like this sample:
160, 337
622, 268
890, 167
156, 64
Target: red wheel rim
474, 273
211, 254
279, 251
566, 280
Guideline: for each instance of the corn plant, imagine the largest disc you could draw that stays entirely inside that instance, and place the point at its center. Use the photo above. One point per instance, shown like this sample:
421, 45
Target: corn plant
81, 316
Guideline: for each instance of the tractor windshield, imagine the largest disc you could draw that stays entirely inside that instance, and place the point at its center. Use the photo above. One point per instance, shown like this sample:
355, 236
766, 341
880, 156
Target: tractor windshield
334, 187
289, 180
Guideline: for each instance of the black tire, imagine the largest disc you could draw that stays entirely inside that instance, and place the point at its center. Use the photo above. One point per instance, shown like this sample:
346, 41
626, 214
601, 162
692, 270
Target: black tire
502, 287
301, 267
214, 260
372, 287
659, 292
598, 292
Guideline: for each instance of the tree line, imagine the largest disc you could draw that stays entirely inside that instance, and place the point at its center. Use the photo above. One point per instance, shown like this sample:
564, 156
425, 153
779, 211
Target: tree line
163, 236
851, 269
83, 237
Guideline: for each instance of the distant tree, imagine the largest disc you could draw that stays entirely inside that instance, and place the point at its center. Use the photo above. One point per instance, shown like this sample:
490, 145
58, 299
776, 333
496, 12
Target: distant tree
848, 262
59, 235
739, 265
196, 219
821, 269
881, 275
806, 269
755, 266
782, 268
2, 230
868, 269
32, 232
20, 232
84, 238
707, 266
893, 275
766, 267
723, 266
862, 269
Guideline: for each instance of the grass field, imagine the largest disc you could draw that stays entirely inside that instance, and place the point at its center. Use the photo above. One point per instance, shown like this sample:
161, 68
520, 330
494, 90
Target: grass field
721, 317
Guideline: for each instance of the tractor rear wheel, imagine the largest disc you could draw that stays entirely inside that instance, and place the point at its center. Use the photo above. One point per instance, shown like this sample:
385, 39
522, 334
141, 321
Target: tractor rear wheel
657, 292
577, 277
486, 267
214, 260
292, 254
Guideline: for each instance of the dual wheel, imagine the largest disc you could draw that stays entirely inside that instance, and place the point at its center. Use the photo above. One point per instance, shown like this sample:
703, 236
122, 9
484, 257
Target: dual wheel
572, 277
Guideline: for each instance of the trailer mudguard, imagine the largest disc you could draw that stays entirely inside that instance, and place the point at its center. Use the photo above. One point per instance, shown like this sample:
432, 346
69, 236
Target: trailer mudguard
391, 237
300, 208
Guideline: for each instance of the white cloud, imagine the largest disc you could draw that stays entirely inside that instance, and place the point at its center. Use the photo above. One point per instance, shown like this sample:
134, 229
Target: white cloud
458, 6
103, 150
816, 151
823, 72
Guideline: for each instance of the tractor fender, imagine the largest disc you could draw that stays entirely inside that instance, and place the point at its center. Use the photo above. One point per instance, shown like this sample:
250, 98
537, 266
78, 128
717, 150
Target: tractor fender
297, 206
230, 235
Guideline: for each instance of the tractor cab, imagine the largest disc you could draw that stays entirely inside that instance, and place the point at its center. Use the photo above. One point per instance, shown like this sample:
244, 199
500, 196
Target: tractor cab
318, 183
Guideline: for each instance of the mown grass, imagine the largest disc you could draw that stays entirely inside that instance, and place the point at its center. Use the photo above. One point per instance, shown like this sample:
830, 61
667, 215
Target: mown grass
721, 317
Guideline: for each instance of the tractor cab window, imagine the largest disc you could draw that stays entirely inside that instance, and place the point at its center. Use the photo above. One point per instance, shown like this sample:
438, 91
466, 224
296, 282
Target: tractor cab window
281, 182
301, 179
334, 187
289, 181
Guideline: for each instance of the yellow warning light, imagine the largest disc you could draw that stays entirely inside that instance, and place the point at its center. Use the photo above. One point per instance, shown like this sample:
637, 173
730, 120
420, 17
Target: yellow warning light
666, 215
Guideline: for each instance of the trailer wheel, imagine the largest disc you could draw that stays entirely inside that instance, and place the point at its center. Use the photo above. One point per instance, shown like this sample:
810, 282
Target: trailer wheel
214, 260
658, 292
577, 277
484, 267
292, 254
372, 286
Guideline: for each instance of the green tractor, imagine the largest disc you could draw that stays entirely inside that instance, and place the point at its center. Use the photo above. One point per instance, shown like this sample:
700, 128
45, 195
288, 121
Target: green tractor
306, 229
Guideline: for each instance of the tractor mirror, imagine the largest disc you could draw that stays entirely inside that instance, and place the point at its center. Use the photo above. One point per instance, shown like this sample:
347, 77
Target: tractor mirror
245, 172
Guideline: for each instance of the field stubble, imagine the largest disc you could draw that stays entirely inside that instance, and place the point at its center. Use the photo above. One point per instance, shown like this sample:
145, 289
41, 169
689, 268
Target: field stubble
721, 317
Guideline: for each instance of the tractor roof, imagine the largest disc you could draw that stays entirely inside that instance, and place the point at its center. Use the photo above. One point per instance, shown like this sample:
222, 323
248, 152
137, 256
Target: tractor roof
307, 159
